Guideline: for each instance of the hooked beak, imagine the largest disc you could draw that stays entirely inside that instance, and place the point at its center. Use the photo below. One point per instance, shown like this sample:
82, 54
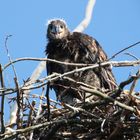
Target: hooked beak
56, 30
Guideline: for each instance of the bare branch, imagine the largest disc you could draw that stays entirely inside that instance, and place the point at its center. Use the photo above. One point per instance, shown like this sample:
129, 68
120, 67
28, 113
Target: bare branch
8, 55
55, 76
2, 101
88, 15
124, 50
43, 59
113, 63
129, 54
134, 83
106, 97
19, 103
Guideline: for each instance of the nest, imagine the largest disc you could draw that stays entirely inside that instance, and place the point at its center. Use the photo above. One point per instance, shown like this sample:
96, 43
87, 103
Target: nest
108, 118
112, 115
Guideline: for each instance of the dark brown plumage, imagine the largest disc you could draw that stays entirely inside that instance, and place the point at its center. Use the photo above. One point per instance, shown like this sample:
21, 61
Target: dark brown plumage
75, 48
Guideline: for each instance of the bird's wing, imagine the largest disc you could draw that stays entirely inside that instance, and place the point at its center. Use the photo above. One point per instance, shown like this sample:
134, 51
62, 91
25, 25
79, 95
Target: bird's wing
94, 49
97, 55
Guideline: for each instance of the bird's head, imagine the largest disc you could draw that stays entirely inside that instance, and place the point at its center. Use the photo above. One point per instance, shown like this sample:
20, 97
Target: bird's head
57, 30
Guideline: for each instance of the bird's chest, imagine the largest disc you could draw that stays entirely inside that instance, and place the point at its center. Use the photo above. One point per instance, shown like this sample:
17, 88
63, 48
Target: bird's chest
70, 52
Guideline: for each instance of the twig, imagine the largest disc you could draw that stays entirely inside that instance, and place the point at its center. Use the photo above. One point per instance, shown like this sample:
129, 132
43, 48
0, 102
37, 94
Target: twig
31, 112
40, 103
77, 110
19, 98
134, 82
2, 102
133, 56
122, 85
48, 100
16, 83
124, 50
9, 57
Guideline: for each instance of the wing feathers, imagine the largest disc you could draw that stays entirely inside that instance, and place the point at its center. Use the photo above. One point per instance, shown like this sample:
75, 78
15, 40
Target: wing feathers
97, 55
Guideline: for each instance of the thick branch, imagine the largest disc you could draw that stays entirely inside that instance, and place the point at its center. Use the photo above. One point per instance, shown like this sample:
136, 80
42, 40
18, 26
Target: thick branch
108, 98
88, 15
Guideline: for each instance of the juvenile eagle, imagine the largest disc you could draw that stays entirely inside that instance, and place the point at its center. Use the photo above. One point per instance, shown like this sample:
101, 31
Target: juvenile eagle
75, 47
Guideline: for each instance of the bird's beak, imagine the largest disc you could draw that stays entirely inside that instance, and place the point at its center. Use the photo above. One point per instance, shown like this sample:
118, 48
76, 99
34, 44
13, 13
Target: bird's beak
56, 30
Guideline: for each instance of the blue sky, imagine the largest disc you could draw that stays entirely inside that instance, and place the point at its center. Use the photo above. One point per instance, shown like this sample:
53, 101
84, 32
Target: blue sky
115, 24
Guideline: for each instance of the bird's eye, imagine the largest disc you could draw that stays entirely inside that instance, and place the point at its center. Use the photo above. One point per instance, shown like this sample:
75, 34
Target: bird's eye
51, 27
61, 26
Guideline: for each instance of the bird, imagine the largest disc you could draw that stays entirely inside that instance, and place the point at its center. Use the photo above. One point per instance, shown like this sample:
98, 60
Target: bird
75, 47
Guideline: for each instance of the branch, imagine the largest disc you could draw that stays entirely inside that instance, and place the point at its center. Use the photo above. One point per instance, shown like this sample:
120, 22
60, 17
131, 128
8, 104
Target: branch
134, 82
89, 114
8, 55
124, 50
19, 103
123, 84
108, 98
16, 81
36, 73
88, 15
113, 63
44, 59
29, 85
2, 101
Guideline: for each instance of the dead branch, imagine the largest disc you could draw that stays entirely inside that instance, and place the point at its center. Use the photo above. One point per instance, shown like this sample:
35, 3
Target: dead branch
134, 82
19, 104
88, 15
122, 85
2, 101
44, 59
108, 98
113, 63
8, 55
56, 76
124, 50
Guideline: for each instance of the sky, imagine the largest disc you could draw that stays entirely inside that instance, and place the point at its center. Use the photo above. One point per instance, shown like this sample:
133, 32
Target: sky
115, 24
